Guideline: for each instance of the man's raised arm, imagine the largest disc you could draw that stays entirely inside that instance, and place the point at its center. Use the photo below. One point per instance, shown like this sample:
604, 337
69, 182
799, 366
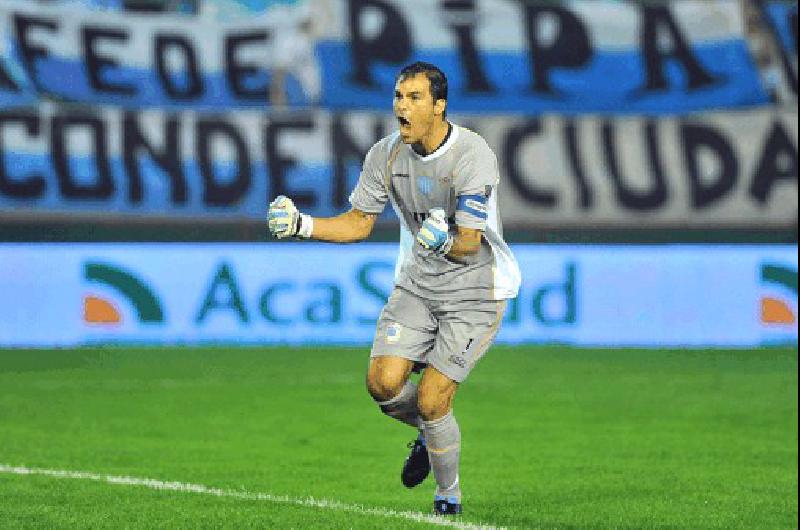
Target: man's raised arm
435, 235
467, 242
348, 227
286, 221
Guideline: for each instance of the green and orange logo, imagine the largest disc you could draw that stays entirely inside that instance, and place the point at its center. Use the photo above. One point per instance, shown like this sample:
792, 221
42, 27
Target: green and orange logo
98, 309
777, 307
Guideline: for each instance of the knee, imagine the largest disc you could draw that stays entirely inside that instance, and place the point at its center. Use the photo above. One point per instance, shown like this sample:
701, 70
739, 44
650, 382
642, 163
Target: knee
432, 405
383, 385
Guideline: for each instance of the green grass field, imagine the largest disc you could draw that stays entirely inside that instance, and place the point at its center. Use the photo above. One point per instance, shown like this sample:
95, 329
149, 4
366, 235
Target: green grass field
552, 438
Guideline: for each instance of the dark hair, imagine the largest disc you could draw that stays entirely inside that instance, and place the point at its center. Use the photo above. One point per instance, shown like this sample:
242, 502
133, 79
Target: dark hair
436, 77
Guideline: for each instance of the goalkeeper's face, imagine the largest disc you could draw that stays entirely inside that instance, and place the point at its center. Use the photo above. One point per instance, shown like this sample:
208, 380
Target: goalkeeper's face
415, 109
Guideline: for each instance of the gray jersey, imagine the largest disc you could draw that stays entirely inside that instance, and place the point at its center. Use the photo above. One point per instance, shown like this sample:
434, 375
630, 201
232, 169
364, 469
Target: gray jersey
460, 177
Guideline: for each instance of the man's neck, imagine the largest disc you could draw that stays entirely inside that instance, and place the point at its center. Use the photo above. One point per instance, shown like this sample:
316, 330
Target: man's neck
435, 140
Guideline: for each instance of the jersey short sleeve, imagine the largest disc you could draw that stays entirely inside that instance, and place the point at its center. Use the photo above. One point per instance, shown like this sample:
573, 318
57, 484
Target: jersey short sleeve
370, 194
476, 179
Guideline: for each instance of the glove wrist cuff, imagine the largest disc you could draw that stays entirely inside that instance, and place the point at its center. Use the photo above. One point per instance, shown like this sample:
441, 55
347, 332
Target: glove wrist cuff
446, 246
305, 226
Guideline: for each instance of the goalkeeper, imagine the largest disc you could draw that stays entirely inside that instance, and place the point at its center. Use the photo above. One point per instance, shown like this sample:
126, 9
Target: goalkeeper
453, 275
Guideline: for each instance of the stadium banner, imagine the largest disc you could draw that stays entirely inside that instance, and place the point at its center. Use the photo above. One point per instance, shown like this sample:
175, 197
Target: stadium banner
14, 89
734, 169
73, 53
64, 295
500, 55
569, 57
702, 170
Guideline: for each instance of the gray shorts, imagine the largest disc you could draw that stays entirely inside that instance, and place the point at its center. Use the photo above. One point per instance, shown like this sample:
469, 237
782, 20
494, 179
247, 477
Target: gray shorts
450, 336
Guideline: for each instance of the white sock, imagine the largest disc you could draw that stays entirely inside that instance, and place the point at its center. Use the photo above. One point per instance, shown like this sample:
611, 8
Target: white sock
443, 438
403, 406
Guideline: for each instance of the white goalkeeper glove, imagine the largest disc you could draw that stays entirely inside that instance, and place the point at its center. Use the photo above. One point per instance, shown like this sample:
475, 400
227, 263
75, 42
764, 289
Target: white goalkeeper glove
285, 221
434, 233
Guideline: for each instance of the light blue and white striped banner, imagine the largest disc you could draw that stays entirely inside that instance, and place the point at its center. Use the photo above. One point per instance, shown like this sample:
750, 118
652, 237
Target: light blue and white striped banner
579, 56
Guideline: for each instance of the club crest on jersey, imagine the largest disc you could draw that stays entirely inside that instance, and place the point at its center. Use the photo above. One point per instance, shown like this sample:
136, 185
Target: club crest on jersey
424, 185
393, 333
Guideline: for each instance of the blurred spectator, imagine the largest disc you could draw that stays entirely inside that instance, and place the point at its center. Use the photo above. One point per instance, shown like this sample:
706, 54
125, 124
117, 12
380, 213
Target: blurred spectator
764, 50
295, 45
298, 23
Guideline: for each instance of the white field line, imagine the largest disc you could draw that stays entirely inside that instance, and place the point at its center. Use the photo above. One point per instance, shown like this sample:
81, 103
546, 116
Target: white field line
310, 502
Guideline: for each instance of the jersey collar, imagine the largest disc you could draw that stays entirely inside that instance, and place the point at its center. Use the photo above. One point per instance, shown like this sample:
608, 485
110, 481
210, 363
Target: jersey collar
442, 149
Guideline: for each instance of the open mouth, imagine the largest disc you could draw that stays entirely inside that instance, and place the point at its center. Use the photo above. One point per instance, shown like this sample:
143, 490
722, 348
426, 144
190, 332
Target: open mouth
403, 121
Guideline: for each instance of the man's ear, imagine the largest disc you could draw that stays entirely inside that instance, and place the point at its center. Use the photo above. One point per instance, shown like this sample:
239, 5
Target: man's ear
439, 107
